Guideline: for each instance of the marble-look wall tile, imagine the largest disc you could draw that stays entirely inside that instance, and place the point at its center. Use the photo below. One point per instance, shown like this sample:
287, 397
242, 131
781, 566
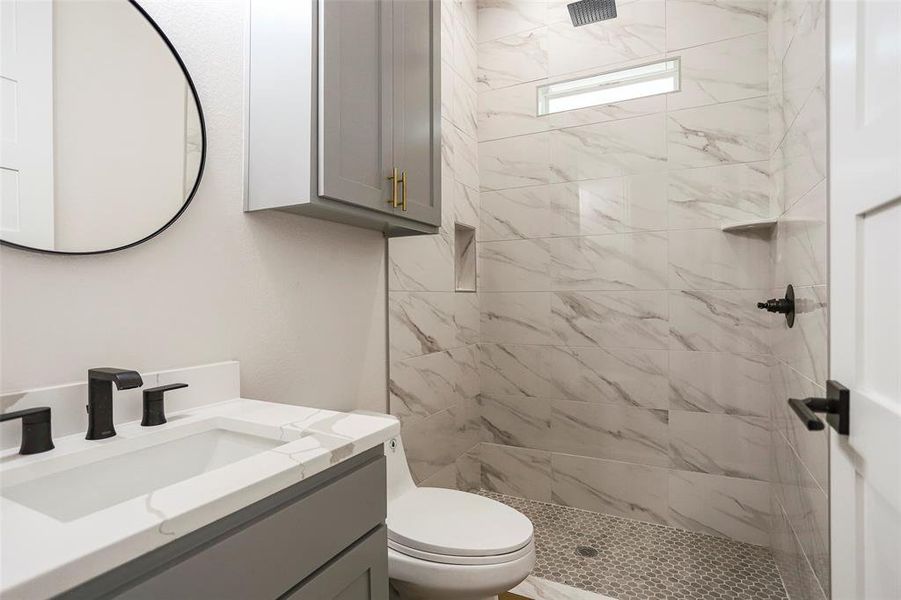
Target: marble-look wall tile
464, 112
435, 442
515, 213
610, 149
616, 376
467, 204
710, 196
804, 62
804, 347
515, 162
615, 205
465, 159
611, 487
710, 259
467, 318
468, 359
638, 31
516, 421
616, 111
727, 321
509, 111
800, 241
500, 18
513, 59
421, 263
720, 382
805, 504
631, 261
516, 318
515, 265
465, 55
720, 444
421, 323
422, 386
635, 435
725, 506
812, 447
732, 69
611, 319
519, 472
463, 474
734, 132
695, 22
511, 370
797, 574
800, 161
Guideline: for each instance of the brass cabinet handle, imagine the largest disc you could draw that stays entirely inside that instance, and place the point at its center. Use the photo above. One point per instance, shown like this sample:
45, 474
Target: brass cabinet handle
393, 179
403, 192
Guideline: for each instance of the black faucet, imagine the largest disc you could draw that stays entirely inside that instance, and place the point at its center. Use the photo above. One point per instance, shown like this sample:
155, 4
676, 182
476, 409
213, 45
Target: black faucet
36, 436
100, 398
154, 410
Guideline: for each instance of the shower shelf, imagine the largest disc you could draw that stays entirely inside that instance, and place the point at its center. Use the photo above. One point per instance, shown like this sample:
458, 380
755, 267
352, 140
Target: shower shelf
750, 225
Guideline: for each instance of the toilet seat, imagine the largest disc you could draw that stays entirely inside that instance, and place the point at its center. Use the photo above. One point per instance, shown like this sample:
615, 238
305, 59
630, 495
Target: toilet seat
452, 527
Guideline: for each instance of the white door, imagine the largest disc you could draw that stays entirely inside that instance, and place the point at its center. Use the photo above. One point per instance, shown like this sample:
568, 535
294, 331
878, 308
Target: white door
865, 295
26, 122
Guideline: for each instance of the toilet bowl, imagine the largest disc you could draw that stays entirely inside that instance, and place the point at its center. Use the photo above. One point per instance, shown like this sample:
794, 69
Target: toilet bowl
447, 544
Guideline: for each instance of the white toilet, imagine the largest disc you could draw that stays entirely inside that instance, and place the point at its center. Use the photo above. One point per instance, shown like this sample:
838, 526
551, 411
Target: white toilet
450, 544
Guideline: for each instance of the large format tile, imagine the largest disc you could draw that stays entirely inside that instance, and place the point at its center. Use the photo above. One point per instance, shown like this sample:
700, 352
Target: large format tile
614, 205
710, 259
631, 261
728, 321
695, 22
422, 386
734, 132
420, 263
509, 111
725, 506
516, 318
433, 443
513, 59
517, 472
639, 30
720, 382
615, 488
611, 319
804, 347
720, 444
618, 376
804, 63
511, 370
635, 435
515, 213
800, 257
610, 149
516, 421
732, 69
515, 162
500, 18
800, 161
710, 196
420, 323
798, 576
515, 265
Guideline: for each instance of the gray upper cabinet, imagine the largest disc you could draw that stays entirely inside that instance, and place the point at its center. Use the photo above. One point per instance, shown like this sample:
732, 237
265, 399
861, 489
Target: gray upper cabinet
343, 117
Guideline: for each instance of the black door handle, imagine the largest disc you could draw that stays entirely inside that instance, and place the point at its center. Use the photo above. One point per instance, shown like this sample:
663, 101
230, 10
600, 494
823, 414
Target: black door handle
836, 405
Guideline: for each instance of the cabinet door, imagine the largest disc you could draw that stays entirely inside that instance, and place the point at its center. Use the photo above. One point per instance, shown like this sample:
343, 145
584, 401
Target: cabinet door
417, 144
355, 102
361, 573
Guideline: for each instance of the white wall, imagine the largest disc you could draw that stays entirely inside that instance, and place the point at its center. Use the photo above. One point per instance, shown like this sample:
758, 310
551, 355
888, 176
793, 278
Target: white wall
300, 303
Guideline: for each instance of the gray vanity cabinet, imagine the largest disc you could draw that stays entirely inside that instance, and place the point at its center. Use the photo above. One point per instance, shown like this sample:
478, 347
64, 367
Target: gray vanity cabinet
323, 538
344, 112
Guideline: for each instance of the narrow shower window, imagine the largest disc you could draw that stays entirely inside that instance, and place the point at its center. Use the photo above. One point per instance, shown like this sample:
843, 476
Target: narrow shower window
606, 88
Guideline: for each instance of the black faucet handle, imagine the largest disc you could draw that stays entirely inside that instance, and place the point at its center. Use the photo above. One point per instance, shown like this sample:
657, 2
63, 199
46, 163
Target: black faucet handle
125, 379
154, 409
36, 435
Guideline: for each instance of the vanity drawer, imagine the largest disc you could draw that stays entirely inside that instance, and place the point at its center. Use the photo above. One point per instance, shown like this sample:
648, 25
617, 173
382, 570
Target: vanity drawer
268, 557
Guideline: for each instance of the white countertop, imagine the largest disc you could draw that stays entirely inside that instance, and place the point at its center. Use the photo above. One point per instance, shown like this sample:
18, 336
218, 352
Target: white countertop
41, 556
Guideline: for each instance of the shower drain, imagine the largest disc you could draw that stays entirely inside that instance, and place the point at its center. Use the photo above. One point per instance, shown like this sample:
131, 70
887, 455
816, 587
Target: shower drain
586, 551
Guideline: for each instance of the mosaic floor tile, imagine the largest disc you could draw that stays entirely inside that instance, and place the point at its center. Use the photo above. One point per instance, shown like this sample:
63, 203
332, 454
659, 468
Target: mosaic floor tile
633, 560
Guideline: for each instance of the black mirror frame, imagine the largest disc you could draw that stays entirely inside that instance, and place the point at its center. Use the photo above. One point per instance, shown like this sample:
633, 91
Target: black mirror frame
196, 185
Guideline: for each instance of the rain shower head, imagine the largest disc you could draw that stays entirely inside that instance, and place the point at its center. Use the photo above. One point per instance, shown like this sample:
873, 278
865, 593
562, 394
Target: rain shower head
584, 12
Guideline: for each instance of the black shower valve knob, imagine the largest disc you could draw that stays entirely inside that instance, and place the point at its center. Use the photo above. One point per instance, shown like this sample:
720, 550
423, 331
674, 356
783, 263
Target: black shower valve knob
776, 305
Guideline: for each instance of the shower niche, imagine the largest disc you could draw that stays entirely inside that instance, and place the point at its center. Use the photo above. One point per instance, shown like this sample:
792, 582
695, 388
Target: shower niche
464, 258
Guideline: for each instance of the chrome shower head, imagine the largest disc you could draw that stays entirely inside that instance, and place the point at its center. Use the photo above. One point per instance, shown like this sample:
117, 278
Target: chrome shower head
584, 12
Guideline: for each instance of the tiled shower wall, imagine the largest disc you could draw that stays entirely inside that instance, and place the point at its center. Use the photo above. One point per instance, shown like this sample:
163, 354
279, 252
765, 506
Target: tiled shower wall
624, 366
433, 330
800, 468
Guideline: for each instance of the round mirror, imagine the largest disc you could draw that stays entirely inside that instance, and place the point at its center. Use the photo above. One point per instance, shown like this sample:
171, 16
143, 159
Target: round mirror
103, 140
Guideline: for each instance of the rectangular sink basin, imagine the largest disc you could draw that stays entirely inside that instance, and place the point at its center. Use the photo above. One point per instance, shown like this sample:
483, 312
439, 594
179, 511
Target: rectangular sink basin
85, 489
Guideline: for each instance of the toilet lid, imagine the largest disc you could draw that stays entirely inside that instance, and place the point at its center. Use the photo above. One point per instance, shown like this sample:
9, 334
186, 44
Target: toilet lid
456, 523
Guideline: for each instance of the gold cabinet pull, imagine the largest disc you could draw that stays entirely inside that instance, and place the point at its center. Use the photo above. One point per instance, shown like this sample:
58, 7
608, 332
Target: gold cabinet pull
393, 179
403, 191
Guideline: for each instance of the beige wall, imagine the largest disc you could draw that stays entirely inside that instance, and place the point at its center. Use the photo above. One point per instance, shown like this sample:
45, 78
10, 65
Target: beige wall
300, 302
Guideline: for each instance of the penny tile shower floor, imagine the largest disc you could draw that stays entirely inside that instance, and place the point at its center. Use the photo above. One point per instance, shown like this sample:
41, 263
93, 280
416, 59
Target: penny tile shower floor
632, 560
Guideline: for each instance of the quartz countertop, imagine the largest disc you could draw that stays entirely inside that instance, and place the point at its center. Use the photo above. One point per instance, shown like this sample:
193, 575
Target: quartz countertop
41, 556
